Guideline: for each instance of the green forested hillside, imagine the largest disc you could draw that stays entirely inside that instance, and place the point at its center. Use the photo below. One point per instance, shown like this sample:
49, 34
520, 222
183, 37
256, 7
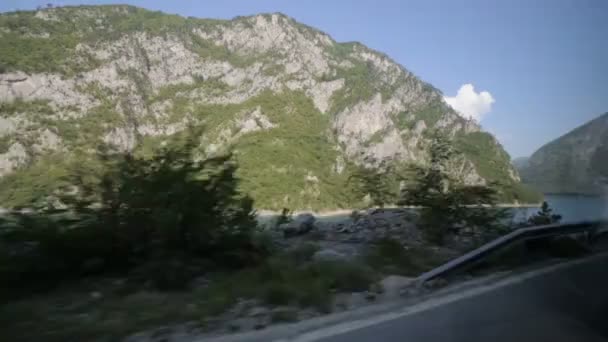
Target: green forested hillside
301, 111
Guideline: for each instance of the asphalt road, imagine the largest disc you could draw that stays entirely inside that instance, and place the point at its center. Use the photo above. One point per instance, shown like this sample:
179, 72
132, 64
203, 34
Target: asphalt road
568, 305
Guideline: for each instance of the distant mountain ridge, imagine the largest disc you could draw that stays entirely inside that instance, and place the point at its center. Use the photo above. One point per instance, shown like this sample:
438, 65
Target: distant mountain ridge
520, 162
573, 163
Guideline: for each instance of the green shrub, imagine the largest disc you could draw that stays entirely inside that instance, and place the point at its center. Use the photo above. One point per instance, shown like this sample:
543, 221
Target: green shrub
5, 143
443, 198
280, 281
169, 274
317, 295
344, 276
167, 207
389, 256
278, 293
302, 253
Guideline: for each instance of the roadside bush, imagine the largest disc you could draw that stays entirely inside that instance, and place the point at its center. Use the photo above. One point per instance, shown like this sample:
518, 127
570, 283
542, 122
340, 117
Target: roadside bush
40, 250
283, 281
312, 284
303, 253
284, 316
278, 293
343, 275
389, 256
264, 242
448, 205
169, 207
316, 295
164, 274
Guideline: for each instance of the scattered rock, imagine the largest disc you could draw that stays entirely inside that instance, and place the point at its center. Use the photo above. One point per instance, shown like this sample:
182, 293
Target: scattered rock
232, 327
245, 307
302, 224
96, 295
345, 301
342, 228
162, 333
377, 211
411, 291
328, 255
308, 314
377, 288
436, 283
283, 314
381, 223
341, 304
119, 282
259, 326
258, 311
393, 284
200, 282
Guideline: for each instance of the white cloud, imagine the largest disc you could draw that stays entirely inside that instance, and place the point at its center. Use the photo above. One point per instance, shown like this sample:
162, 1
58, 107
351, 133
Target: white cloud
470, 104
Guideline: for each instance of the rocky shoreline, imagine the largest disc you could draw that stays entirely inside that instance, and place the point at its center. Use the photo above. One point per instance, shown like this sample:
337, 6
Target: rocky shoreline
348, 237
346, 212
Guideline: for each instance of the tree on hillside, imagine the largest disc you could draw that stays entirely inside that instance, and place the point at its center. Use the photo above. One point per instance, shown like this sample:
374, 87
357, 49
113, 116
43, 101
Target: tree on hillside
176, 199
375, 182
446, 204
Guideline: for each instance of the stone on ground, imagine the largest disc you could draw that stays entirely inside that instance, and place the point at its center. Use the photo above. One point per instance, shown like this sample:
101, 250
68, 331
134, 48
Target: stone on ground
393, 284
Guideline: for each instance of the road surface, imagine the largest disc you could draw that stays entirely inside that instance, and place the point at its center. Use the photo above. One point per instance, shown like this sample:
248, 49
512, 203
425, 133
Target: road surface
567, 305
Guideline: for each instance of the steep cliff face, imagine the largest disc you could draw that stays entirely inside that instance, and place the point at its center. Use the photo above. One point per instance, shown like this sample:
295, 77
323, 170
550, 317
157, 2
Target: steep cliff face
299, 109
573, 163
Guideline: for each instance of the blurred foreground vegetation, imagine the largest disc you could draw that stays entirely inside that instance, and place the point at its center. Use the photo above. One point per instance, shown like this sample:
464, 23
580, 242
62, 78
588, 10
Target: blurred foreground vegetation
125, 248
141, 212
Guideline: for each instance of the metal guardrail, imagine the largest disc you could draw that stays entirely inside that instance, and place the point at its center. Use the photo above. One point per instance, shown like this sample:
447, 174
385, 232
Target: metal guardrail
505, 240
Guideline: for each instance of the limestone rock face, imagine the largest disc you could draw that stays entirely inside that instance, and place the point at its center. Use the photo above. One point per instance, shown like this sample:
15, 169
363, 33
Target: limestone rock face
290, 100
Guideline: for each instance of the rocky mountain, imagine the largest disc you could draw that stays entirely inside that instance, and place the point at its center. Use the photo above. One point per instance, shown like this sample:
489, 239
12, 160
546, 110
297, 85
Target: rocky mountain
573, 163
300, 110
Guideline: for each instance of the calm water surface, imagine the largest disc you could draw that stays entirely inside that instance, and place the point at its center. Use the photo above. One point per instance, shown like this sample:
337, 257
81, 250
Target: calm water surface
574, 208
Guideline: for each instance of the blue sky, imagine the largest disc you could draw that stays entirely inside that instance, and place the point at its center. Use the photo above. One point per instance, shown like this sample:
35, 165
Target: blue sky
544, 63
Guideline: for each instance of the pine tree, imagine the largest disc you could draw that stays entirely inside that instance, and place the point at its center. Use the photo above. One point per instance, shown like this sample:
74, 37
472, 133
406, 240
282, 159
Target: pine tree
375, 182
544, 216
443, 200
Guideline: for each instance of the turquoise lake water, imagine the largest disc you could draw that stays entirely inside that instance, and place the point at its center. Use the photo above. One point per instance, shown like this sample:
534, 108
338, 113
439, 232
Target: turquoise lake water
574, 208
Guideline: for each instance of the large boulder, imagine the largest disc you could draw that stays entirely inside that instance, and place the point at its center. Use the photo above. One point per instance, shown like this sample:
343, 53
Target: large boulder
300, 225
